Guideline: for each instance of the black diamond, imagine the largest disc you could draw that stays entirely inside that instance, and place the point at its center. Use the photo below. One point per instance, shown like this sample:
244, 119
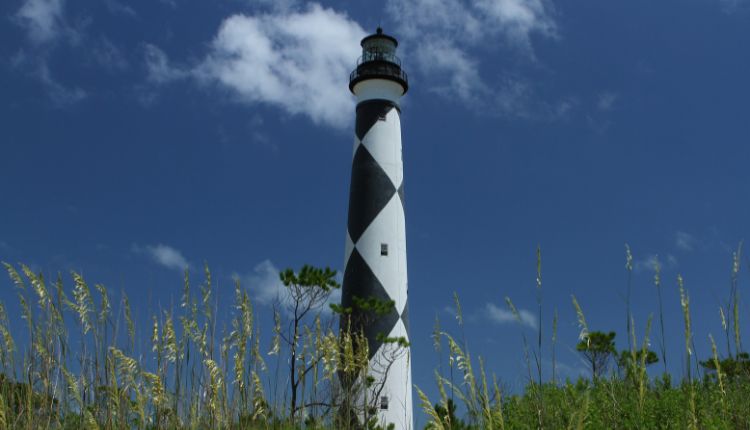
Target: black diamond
370, 191
369, 112
405, 319
359, 281
401, 195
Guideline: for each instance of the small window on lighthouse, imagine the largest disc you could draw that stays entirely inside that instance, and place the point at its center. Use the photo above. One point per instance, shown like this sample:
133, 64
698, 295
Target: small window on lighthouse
384, 249
384, 403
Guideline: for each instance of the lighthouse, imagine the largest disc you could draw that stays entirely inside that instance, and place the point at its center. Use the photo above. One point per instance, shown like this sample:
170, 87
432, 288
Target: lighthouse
375, 257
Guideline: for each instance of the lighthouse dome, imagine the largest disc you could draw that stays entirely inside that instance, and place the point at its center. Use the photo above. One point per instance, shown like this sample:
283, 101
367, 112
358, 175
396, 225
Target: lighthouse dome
379, 61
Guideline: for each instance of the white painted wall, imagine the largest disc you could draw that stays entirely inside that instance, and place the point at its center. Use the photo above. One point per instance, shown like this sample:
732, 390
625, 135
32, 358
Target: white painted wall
378, 89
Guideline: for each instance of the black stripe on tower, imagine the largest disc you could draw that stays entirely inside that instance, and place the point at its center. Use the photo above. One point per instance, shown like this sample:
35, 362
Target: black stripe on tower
360, 282
369, 112
405, 319
401, 196
371, 189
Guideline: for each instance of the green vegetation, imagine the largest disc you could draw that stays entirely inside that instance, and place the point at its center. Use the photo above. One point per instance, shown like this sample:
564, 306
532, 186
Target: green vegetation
82, 365
597, 348
620, 393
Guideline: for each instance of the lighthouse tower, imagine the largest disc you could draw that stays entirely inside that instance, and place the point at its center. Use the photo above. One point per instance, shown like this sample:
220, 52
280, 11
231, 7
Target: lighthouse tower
375, 258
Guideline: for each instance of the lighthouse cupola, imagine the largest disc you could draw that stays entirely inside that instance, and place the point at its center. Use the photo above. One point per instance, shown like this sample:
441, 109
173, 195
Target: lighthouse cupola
379, 61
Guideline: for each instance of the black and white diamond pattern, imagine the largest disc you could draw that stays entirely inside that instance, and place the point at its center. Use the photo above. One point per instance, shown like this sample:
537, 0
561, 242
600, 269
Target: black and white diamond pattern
370, 191
368, 113
358, 274
376, 217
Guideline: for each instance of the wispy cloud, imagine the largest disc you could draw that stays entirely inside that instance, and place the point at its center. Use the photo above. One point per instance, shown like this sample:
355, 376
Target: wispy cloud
565, 370
109, 56
501, 315
685, 241
170, 3
45, 26
296, 60
60, 94
159, 71
276, 5
118, 8
5, 248
474, 21
450, 35
42, 19
651, 261
164, 255
606, 101
267, 289
36, 66
264, 283
732, 6
648, 263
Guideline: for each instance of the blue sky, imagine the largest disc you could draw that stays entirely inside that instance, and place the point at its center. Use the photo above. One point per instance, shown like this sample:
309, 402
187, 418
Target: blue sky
140, 137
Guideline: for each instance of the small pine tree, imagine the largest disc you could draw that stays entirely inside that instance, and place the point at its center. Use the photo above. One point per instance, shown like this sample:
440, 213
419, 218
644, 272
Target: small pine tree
597, 348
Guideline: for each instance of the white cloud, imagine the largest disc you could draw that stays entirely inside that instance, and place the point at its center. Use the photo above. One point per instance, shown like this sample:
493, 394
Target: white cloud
266, 287
297, 61
565, 370
651, 261
518, 19
648, 263
684, 241
164, 255
297, 57
42, 19
109, 56
37, 67
671, 261
58, 93
606, 101
45, 25
426, 18
117, 8
504, 316
462, 73
277, 5
732, 6
159, 71
563, 108
443, 32
264, 284
474, 22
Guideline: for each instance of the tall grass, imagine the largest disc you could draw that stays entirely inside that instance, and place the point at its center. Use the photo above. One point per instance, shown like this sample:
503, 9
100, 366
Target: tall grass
82, 365
629, 398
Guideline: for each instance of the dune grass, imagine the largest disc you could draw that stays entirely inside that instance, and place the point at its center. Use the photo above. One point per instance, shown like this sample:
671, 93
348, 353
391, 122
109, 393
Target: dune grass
621, 396
81, 365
